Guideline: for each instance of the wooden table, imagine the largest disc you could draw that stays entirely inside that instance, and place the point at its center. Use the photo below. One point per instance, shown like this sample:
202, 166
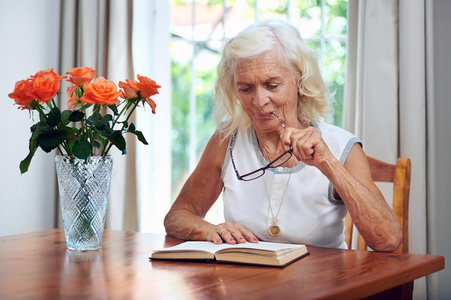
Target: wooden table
38, 266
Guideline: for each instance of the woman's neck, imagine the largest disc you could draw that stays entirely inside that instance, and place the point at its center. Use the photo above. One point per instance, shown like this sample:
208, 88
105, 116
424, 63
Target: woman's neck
270, 143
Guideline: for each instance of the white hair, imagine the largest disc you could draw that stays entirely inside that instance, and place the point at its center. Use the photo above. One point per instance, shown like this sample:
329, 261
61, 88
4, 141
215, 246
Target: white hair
252, 42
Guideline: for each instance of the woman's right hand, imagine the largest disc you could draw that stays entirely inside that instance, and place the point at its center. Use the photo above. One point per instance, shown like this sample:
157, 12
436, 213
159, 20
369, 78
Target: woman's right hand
185, 219
231, 233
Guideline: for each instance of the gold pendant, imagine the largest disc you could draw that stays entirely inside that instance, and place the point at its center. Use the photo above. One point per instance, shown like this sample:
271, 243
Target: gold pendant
274, 230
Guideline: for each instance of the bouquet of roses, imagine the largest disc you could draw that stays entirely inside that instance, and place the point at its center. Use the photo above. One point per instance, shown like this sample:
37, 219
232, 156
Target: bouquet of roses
95, 119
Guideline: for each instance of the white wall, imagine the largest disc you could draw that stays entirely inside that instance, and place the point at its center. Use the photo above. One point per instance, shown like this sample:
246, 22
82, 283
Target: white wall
29, 32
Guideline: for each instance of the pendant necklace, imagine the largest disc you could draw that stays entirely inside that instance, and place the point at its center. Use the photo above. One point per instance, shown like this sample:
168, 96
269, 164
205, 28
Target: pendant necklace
274, 229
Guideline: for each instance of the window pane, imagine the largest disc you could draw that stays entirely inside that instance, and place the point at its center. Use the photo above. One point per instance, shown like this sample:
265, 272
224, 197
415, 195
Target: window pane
336, 12
315, 45
306, 16
272, 9
180, 122
204, 85
334, 59
240, 14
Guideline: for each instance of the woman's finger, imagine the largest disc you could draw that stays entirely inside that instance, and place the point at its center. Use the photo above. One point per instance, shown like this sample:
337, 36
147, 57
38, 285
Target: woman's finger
249, 236
233, 233
224, 233
228, 238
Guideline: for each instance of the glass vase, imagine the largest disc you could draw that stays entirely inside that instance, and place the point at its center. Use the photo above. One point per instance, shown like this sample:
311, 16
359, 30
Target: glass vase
84, 186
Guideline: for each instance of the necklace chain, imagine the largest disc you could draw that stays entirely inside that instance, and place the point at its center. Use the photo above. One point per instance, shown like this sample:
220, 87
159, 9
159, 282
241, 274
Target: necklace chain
274, 229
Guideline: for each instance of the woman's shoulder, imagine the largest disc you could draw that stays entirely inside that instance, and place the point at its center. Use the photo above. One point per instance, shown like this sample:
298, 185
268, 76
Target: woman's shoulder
216, 146
327, 129
334, 135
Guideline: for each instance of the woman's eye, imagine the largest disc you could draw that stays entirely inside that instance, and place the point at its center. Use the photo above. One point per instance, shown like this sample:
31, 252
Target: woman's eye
272, 86
244, 90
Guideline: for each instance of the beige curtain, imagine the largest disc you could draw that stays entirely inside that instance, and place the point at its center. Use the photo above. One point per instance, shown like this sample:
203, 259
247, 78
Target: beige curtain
386, 99
98, 34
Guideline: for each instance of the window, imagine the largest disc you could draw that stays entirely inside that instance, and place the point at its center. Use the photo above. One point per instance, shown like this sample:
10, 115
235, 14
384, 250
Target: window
199, 29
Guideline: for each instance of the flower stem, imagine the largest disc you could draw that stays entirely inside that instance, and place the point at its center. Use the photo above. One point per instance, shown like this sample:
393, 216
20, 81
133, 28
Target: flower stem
126, 107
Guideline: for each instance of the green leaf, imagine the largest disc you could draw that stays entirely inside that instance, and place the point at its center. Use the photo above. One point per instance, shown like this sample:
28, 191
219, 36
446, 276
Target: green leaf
82, 149
42, 117
96, 144
102, 139
118, 140
140, 136
51, 138
34, 127
33, 146
71, 131
54, 117
105, 133
92, 119
76, 116
107, 118
85, 106
104, 122
24, 164
131, 128
65, 117
114, 109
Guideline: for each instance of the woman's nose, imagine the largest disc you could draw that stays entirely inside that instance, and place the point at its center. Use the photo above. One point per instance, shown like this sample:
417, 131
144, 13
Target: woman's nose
260, 98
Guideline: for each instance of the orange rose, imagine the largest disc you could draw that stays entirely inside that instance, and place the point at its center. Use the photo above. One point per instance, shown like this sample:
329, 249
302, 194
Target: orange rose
101, 91
73, 99
146, 86
128, 91
44, 85
80, 76
152, 104
19, 95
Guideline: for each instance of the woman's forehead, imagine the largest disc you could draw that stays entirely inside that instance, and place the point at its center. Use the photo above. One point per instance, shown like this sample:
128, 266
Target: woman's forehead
265, 67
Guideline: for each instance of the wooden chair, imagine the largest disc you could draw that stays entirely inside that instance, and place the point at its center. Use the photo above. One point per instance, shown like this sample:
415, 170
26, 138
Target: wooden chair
399, 175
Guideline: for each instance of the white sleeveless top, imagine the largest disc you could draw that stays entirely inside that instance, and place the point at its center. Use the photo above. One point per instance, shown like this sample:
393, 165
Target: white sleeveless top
308, 215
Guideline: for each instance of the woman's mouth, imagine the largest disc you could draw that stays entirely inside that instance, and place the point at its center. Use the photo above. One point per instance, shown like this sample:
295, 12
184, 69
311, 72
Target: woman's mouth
267, 115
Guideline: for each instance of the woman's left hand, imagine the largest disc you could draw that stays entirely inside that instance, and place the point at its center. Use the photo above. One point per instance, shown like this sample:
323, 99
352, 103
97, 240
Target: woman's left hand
308, 145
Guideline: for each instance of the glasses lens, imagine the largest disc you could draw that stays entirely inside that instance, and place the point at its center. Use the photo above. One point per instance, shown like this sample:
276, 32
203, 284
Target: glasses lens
281, 160
253, 175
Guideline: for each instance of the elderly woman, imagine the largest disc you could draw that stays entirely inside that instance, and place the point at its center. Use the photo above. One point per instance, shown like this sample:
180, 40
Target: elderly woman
285, 174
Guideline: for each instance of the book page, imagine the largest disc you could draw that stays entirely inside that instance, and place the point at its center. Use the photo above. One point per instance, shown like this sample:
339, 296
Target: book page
270, 246
196, 246
212, 247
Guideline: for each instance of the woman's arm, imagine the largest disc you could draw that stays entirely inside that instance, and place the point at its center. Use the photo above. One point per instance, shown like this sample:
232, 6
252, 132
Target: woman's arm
352, 183
185, 218
371, 214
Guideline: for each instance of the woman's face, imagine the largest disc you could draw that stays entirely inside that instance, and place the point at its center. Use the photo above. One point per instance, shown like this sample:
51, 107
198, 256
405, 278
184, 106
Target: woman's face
265, 86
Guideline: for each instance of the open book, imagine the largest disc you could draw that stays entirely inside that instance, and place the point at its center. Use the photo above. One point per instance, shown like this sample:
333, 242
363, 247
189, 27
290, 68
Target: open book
261, 253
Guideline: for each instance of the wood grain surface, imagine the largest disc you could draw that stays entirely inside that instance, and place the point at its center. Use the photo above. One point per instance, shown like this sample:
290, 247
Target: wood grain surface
38, 266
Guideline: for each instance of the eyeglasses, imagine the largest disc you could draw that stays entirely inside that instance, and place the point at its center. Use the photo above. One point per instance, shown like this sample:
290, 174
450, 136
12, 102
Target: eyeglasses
260, 172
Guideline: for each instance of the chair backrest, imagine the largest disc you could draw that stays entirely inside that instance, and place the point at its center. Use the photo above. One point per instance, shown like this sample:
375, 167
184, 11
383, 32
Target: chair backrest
399, 175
